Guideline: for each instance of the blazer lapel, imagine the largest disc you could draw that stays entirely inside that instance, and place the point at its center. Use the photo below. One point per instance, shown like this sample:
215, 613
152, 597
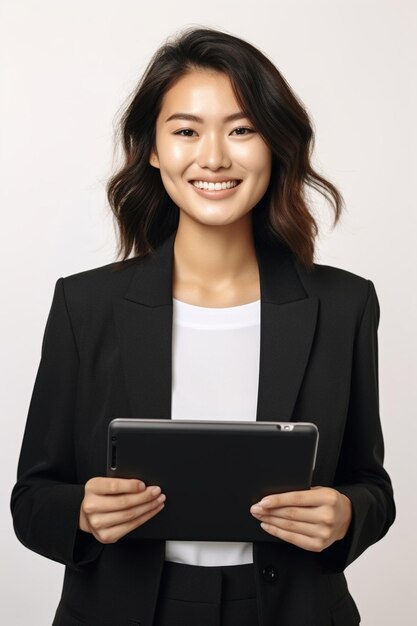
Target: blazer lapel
144, 320
288, 322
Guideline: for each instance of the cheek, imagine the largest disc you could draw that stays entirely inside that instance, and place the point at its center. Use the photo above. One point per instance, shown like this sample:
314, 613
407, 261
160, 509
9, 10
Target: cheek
173, 154
177, 154
261, 175
256, 158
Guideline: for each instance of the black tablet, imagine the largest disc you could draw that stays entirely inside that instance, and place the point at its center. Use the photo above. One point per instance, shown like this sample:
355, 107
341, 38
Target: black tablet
211, 472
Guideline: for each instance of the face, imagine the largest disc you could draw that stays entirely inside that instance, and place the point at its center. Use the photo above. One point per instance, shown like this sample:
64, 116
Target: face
197, 146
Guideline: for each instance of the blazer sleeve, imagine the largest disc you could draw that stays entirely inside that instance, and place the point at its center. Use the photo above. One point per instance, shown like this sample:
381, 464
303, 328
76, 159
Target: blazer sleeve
360, 473
46, 498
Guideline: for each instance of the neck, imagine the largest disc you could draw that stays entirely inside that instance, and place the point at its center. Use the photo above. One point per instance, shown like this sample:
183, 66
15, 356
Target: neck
215, 260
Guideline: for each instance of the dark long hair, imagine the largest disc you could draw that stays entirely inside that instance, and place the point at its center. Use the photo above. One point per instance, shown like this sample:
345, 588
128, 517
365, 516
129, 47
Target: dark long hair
144, 212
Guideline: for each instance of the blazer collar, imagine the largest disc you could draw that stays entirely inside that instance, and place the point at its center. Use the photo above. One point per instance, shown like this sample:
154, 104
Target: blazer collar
144, 320
151, 284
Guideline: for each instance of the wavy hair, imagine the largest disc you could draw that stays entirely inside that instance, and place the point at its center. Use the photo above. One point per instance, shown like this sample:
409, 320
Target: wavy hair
144, 212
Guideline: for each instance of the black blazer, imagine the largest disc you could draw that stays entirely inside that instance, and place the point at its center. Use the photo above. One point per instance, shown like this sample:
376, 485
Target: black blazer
106, 353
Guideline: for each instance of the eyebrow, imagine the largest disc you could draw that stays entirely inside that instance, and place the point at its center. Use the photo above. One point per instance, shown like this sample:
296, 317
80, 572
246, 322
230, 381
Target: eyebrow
240, 115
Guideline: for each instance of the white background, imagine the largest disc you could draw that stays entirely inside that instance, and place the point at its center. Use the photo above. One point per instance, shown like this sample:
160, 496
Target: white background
66, 68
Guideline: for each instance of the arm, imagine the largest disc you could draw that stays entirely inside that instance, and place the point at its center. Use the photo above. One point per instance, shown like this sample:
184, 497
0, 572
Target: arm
46, 498
360, 473
341, 522
53, 514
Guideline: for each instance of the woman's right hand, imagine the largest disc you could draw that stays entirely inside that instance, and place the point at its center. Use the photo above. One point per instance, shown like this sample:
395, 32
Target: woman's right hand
112, 507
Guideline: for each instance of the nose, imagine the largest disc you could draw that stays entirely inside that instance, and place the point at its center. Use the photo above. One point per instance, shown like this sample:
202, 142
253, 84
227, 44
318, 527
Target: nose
212, 153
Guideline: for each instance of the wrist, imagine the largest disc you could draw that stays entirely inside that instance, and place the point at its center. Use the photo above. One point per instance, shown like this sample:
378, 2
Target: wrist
83, 522
346, 506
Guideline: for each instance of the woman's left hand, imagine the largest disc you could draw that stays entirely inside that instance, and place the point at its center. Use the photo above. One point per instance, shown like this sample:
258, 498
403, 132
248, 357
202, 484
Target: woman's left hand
312, 519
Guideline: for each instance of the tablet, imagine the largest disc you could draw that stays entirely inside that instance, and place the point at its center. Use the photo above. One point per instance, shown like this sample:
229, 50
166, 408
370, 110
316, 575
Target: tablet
211, 472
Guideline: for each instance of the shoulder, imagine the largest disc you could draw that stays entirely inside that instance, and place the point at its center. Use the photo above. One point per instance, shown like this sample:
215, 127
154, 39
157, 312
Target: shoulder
112, 276
338, 289
92, 291
325, 280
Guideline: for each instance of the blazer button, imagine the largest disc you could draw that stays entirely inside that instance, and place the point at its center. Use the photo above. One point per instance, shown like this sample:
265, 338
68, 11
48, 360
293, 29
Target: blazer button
270, 573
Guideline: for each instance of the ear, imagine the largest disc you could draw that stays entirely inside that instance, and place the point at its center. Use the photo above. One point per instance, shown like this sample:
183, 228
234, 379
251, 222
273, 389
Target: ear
153, 158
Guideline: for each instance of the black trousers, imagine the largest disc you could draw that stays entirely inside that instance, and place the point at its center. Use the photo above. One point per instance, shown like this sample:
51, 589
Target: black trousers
191, 595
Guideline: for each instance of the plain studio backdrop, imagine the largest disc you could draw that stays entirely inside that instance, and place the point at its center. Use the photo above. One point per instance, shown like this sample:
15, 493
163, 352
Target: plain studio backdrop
66, 69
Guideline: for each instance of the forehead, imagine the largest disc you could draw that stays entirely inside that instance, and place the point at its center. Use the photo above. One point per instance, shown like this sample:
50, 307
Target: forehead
200, 90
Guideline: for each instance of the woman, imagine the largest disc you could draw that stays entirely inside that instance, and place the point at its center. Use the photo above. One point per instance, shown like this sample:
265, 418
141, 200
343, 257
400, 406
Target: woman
211, 201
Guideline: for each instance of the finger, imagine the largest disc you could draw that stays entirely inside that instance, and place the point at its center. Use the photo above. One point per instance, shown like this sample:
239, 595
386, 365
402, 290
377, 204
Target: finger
303, 498
112, 486
299, 528
114, 518
94, 503
114, 533
311, 515
302, 541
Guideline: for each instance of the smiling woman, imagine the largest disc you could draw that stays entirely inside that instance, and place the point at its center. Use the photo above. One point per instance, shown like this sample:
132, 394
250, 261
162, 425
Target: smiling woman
216, 311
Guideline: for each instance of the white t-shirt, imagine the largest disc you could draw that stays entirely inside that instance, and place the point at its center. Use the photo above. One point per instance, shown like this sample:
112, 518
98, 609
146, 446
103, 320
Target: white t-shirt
215, 357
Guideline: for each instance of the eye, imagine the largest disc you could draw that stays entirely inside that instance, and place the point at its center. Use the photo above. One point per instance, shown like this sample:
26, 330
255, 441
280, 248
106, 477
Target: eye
251, 130
184, 130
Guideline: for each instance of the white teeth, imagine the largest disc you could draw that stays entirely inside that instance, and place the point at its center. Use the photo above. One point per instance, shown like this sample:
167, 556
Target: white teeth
214, 186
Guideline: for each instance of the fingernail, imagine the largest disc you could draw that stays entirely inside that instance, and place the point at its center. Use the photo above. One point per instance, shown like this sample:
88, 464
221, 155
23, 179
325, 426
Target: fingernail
155, 491
256, 509
141, 485
265, 502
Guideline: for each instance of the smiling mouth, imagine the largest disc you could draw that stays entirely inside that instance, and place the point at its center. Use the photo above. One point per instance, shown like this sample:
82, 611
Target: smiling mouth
219, 186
